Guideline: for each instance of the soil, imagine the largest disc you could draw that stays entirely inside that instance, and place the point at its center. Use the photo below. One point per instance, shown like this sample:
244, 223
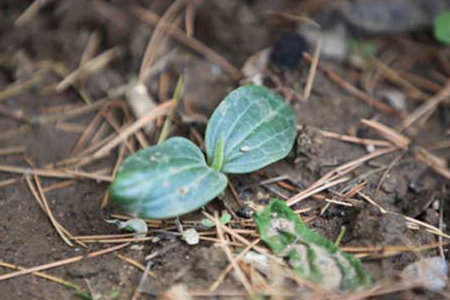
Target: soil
57, 36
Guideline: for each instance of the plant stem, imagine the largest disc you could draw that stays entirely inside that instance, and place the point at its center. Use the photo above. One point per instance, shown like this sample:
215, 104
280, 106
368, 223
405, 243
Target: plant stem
217, 162
176, 96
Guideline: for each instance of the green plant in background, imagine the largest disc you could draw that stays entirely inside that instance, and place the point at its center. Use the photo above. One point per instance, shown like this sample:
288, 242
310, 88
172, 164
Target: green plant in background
442, 27
251, 128
312, 256
365, 49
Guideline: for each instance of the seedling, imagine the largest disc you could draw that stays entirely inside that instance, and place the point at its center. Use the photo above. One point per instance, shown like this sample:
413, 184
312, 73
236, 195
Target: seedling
251, 128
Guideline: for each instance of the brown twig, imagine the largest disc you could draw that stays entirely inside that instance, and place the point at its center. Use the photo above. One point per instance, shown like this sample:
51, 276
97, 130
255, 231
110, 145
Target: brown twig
89, 67
158, 38
189, 20
55, 174
332, 177
354, 139
61, 262
160, 110
134, 263
139, 288
439, 145
12, 150
396, 78
309, 192
389, 248
111, 120
385, 174
49, 213
116, 168
42, 275
231, 259
245, 241
70, 127
153, 19
7, 133
421, 81
227, 270
8, 182
95, 122
20, 86
355, 91
438, 164
312, 69
71, 113
368, 199
30, 12
59, 185
427, 107
388, 133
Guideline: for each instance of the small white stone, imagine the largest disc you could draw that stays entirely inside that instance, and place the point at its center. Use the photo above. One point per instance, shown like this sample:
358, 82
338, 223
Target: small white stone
436, 204
191, 237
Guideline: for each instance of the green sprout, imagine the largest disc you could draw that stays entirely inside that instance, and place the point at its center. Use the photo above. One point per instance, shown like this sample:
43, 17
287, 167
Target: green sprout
251, 128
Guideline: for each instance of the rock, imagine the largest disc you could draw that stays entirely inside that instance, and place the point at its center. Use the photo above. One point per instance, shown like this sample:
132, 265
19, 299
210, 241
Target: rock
391, 16
416, 203
288, 51
395, 98
430, 272
255, 66
335, 40
141, 102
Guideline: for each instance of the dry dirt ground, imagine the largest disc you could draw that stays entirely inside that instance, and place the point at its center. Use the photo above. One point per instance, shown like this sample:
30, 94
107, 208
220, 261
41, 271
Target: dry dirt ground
51, 44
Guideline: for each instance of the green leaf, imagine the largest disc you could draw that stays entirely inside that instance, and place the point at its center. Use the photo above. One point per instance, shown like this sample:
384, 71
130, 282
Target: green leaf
167, 180
224, 219
442, 27
83, 295
258, 128
365, 49
312, 256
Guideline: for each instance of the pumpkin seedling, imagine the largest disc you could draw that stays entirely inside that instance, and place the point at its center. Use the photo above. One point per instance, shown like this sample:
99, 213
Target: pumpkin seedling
251, 128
